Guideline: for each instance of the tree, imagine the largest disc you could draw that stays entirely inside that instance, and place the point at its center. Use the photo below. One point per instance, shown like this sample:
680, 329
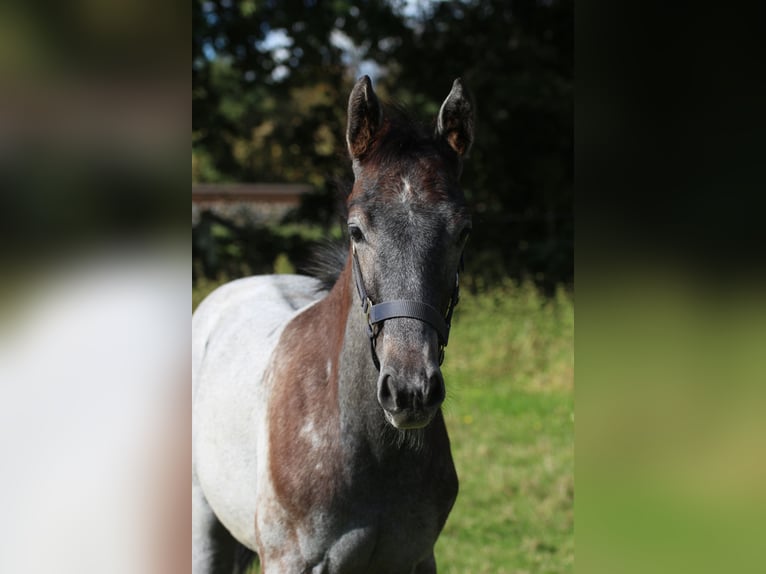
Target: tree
271, 81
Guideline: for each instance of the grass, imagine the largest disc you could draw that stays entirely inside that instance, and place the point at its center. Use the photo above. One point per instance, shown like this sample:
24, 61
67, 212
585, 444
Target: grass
510, 414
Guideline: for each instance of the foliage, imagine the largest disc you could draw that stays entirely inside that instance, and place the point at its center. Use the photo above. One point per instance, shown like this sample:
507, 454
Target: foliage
510, 414
225, 248
270, 82
517, 59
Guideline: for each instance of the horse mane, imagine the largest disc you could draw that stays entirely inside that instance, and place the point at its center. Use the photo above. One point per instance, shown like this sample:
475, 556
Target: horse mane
328, 260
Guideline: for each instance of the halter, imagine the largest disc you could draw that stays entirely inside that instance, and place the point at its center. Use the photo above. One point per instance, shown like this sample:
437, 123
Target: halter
376, 314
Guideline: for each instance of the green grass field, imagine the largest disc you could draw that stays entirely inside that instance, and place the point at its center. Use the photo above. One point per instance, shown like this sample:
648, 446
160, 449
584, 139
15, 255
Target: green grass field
510, 414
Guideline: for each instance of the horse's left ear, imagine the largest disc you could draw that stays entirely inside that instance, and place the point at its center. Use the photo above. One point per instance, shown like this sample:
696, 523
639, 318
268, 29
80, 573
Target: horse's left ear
455, 120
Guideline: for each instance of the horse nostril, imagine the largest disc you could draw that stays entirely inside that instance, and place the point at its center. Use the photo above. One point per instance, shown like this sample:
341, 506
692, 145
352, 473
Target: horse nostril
435, 391
388, 396
395, 395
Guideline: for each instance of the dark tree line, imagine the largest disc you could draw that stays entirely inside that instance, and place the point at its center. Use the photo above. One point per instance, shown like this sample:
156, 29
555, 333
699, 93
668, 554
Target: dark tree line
271, 79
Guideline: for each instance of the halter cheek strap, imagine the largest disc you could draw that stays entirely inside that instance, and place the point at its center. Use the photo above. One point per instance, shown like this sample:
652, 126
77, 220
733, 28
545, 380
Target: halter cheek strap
377, 314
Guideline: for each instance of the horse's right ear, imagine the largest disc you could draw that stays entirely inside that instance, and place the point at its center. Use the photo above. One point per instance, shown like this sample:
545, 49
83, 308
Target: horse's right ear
364, 117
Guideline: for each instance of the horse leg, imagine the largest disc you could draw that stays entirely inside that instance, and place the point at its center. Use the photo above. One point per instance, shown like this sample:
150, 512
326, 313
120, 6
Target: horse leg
204, 533
427, 566
214, 550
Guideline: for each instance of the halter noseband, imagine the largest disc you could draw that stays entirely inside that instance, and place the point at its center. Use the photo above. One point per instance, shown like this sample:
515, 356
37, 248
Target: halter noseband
378, 313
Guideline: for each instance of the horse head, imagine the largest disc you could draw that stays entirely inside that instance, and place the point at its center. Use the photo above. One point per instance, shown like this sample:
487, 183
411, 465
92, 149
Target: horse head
408, 223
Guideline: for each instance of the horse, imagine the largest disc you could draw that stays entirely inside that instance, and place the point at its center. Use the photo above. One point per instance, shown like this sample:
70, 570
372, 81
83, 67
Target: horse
319, 442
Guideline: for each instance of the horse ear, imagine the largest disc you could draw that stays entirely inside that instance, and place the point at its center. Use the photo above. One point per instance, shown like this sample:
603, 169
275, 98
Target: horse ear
364, 117
455, 120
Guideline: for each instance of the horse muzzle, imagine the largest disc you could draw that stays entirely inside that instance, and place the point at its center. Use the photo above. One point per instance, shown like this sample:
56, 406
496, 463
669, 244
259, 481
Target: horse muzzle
410, 402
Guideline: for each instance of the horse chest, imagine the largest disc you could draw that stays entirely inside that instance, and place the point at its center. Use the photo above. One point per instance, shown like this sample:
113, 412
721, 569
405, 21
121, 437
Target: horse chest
387, 533
375, 519
378, 546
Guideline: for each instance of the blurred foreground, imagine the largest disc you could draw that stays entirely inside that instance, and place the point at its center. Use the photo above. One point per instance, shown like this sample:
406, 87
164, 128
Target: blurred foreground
94, 324
95, 418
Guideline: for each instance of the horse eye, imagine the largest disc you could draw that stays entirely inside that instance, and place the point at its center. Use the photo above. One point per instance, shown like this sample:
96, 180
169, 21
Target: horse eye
356, 233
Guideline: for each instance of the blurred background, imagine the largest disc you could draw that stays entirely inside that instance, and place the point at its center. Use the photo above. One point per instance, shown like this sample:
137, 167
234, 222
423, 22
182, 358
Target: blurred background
270, 86
94, 287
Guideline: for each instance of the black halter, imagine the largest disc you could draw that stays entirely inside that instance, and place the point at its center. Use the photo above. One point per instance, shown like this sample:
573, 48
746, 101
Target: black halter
376, 314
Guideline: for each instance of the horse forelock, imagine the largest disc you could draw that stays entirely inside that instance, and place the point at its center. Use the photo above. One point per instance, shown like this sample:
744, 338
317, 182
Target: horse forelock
405, 161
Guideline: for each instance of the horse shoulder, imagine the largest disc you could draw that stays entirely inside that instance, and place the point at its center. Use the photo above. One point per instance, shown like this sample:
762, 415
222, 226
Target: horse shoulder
305, 458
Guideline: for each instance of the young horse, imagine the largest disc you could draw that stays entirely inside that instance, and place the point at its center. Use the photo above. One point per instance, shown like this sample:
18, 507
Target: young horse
318, 438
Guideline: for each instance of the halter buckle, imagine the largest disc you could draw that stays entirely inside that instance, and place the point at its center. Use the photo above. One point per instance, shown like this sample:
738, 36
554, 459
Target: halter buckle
366, 308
